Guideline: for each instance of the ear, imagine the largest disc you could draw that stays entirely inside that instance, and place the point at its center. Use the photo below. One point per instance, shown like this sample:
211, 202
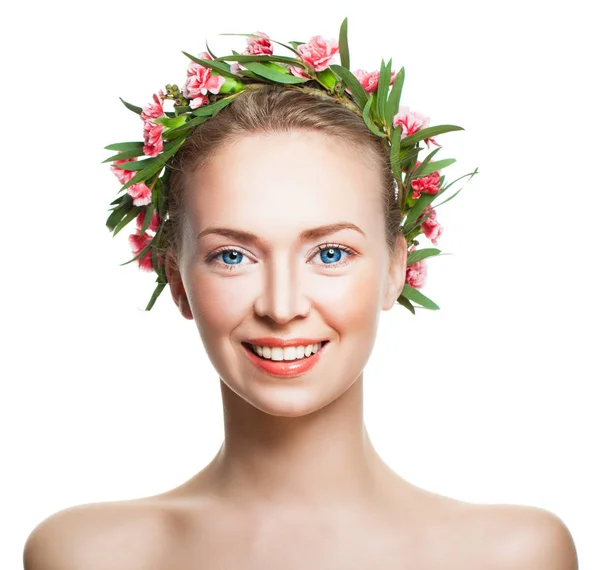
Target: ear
176, 285
396, 275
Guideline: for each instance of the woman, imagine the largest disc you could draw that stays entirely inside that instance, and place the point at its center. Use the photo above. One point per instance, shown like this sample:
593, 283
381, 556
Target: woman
280, 237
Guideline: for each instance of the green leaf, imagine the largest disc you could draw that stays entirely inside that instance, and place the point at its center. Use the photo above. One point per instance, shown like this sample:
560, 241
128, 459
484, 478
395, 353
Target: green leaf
172, 122
209, 51
183, 130
393, 102
117, 215
417, 172
471, 174
368, 121
383, 87
157, 291
414, 213
130, 216
125, 146
434, 167
417, 297
327, 78
395, 156
357, 90
137, 165
133, 153
210, 110
343, 45
406, 303
429, 132
267, 73
220, 68
408, 159
243, 59
147, 217
420, 254
131, 107
153, 168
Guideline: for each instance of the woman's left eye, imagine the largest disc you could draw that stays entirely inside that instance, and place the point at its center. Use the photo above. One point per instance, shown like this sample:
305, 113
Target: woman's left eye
333, 253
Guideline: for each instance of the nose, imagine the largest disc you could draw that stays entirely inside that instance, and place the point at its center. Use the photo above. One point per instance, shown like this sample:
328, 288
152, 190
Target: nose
282, 297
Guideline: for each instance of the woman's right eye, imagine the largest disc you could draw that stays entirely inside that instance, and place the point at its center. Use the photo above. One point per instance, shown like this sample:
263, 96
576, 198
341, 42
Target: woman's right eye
227, 257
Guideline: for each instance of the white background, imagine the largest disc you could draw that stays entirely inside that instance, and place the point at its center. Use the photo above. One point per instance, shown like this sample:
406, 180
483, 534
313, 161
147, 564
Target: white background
491, 400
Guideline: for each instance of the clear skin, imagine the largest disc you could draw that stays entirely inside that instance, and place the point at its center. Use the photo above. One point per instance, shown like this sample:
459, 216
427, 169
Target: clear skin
297, 483
302, 440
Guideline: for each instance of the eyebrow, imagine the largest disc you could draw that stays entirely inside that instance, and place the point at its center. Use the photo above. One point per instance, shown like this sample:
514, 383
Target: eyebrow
306, 235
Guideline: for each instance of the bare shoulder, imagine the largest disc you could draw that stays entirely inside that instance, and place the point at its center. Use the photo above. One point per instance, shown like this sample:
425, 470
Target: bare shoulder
117, 535
523, 537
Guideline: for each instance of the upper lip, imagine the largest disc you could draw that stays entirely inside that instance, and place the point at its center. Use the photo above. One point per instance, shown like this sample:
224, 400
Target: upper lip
273, 341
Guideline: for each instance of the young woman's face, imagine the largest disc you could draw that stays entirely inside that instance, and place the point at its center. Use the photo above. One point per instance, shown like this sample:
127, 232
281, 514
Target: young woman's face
317, 267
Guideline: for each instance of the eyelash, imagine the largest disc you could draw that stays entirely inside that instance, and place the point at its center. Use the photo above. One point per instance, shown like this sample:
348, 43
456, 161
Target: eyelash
212, 260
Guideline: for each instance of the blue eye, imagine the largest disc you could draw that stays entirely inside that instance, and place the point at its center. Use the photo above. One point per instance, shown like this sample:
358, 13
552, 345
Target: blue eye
331, 254
232, 255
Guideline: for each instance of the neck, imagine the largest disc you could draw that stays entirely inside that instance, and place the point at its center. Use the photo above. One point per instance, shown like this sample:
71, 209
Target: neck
316, 459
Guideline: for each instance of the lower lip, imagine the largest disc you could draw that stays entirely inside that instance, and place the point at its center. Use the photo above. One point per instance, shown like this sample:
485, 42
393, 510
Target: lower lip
285, 368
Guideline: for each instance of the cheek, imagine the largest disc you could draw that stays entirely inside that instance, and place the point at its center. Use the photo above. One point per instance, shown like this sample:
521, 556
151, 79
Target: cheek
217, 305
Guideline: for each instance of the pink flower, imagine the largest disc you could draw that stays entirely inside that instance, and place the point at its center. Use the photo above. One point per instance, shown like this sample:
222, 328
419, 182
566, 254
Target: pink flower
138, 243
298, 72
431, 227
153, 143
428, 184
259, 46
370, 79
235, 67
154, 222
155, 108
411, 122
141, 194
124, 176
201, 80
318, 52
416, 273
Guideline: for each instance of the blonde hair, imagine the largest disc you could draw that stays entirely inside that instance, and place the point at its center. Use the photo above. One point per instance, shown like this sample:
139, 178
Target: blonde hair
271, 109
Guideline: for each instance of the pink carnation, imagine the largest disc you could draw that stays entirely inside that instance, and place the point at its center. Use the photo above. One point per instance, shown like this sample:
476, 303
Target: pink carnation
141, 194
153, 143
370, 79
416, 274
138, 243
124, 176
259, 46
298, 72
154, 222
431, 227
412, 122
318, 52
426, 184
155, 108
201, 80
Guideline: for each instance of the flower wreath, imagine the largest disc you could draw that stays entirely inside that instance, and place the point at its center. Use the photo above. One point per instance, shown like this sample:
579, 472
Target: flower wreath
214, 82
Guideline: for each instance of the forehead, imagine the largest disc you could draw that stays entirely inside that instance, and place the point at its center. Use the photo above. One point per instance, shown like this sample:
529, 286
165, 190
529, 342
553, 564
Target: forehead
276, 184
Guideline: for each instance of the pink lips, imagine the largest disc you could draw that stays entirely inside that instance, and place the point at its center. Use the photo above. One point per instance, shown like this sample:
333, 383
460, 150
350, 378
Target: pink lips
285, 368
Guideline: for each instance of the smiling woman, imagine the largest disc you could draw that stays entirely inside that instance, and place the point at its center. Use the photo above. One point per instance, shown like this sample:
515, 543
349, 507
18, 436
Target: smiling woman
285, 226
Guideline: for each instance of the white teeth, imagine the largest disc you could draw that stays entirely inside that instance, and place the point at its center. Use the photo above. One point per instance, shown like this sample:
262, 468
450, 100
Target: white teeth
286, 353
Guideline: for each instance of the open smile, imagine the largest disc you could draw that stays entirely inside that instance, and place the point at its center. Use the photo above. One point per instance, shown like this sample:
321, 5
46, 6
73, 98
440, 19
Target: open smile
286, 362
